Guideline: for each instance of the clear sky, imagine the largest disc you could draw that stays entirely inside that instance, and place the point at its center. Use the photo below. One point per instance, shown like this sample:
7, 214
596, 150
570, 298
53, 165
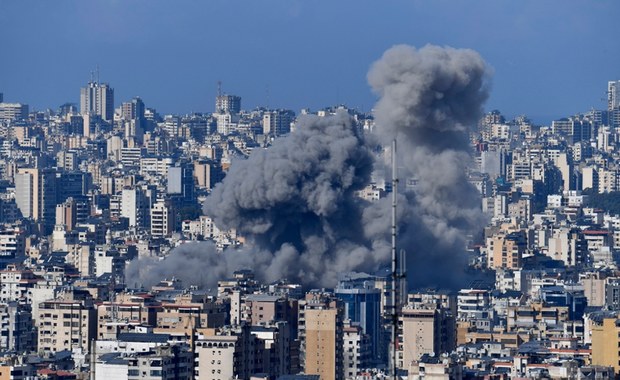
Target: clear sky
550, 58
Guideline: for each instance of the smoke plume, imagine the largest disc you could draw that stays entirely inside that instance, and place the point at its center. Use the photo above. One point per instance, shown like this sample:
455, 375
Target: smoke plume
296, 206
429, 100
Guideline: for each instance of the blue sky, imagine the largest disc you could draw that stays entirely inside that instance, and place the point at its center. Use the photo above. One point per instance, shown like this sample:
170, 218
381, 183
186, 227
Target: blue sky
550, 58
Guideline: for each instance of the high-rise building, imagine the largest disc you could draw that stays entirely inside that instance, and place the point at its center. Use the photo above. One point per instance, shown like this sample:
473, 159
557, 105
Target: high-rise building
230, 353
135, 205
605, 339
36, 195
576, 128
67, 160
321, 333
133, 109
162, 219
207, 173
356, 346
227, 123
278, 123
228, 104
17, 332
13, 111
506, 250
126, 307
172, 125
362, 305
97, 99
73, 184
181, 182
25, 195
90, 124
66, 214
66, 323
132, 114
428, 327
278, 349
613, 95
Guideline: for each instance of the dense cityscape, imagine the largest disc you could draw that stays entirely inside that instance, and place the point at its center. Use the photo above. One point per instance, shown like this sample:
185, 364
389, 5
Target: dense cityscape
255, 244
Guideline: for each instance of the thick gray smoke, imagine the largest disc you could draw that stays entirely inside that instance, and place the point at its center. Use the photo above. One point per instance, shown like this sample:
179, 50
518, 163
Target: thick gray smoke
186, 263
295, 203
429, 100
200, 264
296, 206
299, 196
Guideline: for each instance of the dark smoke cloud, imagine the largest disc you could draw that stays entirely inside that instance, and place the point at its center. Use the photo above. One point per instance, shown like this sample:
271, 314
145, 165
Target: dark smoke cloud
295, 202
430, 99
200, 264
186, 263
301, 193
296, 206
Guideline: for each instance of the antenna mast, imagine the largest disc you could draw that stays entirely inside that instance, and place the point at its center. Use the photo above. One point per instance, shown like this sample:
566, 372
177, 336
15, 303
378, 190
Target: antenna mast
395, 269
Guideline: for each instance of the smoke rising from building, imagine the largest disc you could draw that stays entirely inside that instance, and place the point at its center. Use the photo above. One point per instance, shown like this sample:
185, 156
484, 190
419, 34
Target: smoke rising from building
186, 263
296, 206
429, 100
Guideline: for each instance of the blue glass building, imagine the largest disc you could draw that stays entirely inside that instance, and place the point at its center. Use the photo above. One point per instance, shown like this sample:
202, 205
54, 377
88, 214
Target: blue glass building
362, 305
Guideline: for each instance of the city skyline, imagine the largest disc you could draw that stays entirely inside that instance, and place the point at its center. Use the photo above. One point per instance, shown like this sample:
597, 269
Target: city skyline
548, 61
288, 189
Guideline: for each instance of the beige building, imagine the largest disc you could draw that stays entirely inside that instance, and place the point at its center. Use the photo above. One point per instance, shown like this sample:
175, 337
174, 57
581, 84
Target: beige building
567, 245
535, 314
35, 194
66, 214
13, 111
427, 328
509, 339
506, 250
259, 309
207, 173
594, 287
435, 368
188, 312
66, 323
226, 354
82, 257
126, 310
605, 342
321, 335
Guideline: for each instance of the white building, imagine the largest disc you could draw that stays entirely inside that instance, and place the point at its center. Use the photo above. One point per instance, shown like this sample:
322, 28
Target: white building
97, 99
162, 220
13, 111
135, 207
